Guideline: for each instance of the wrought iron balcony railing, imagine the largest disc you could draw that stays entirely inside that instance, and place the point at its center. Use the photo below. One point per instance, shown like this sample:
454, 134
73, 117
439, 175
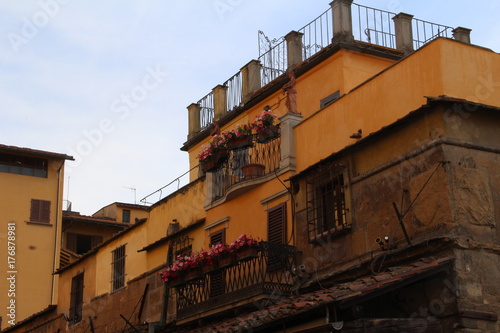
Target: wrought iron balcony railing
251, 162
265, 271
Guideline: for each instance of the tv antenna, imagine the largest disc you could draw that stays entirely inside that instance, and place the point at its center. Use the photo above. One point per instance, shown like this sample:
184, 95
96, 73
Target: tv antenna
135, 193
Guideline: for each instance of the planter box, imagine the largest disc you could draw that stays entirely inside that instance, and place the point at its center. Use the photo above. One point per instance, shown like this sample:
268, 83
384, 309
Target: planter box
267, 134
253, 170
241, 143
215, 161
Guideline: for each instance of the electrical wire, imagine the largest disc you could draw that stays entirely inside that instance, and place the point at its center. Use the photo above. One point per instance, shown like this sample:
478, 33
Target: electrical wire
392, 239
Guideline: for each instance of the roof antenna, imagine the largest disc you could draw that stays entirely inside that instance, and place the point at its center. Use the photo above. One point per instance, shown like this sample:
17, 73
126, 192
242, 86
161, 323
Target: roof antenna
135, 194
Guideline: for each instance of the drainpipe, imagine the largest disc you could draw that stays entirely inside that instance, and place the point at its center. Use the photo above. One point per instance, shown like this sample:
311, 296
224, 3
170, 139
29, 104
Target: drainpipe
164, 305
56, 239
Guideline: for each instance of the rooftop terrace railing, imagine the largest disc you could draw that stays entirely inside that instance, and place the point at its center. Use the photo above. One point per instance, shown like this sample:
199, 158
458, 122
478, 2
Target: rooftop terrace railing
343, 22
424, 32
207, 110
274, 61
373, 26
317, 34
234, 92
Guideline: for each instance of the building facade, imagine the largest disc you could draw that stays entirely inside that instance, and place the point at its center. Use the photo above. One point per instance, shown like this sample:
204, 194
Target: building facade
31, 206
366, 170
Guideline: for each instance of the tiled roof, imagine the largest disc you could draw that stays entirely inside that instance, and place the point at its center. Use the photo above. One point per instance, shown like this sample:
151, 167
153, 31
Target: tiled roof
70, 216
353, 291
35, 152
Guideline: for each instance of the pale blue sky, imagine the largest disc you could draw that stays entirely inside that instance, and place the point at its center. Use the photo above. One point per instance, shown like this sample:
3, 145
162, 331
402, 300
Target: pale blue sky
66, 65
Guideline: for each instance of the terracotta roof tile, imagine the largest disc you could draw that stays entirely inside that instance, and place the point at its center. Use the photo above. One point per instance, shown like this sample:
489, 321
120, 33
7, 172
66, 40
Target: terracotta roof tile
297, 304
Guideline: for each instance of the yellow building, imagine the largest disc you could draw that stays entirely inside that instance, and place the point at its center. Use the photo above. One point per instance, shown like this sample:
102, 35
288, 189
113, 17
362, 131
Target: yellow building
31, 207
372, 194
123, 212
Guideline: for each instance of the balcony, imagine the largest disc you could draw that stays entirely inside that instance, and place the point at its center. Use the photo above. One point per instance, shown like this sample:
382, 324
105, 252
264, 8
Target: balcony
245, 164
266, 271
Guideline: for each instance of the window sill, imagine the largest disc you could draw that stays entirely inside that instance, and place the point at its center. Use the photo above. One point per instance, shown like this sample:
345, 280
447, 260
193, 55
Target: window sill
46, 224
332, 233
117, 290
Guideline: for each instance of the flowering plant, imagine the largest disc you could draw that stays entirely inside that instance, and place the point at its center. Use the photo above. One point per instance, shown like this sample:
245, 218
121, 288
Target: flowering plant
218, 142
265, 119
243, 242
182, 264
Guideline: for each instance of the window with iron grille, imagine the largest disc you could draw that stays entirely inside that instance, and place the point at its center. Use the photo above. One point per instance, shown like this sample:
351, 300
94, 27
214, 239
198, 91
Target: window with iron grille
118, 268
326, 204
75, 310
179, 247
40, 211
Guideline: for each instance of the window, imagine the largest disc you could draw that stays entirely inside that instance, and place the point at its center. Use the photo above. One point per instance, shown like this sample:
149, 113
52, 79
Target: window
326, 208
276, 233
276, 224
81, 244
75, 310
118, 268
217, 279
23, 165
180, 246
40, 211
126, 216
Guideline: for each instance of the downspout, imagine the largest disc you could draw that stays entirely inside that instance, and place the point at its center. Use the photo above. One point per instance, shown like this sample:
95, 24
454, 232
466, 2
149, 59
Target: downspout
56, 238
164, 306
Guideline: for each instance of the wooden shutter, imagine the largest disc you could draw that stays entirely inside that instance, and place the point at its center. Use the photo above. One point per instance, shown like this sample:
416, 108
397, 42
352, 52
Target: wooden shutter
75, 312
218, 237
276, 224
71, 241
35, 210
217, 280
40, 211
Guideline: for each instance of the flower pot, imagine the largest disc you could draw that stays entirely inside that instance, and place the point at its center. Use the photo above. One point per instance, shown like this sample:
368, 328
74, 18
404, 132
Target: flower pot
241, 143
267, 134
247, 253
226, 260
190, 275
253, 170
208, 267
221, 156
215, 161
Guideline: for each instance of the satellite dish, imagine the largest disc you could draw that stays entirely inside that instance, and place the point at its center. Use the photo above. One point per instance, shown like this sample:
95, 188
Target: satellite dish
337, 325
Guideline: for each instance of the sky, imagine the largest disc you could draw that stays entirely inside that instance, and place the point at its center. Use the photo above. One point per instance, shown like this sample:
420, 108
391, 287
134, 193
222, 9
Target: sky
108, 82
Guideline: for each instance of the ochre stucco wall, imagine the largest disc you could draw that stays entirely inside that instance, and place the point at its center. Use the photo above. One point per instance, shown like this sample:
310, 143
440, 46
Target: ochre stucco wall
36, 245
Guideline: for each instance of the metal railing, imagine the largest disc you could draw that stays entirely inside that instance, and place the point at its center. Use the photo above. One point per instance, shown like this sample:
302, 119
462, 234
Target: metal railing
264, 271
369, 25
266, 156
424, 32
207, 110
373, 26
274, 62
162, 192
317, 34
234, 92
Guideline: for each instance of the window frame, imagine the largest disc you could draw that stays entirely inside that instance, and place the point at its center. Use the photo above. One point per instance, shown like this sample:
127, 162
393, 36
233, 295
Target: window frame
126, 215
179, 246
40, 211
217, 279
326, 202
118, 272
76, 298
23, 165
